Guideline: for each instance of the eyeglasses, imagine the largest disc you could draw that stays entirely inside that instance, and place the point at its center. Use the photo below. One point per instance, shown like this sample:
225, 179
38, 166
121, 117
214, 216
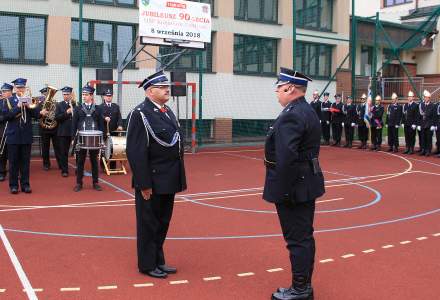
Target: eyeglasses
162, 87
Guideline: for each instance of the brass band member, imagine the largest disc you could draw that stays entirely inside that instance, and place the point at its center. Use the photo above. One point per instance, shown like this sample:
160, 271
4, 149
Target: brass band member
48, 134
19, 135
63, 115
6, 90
87, 116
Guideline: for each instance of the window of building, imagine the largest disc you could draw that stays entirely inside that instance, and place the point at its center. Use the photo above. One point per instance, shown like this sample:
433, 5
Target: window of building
366, 60
103, 43
314, 59
22, 39
255, 55
189, 61
315, 14
208, 2
123, 3
256, 10
388, 3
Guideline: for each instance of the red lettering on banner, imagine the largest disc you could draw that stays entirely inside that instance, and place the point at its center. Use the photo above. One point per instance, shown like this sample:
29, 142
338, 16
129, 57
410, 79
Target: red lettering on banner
176, 5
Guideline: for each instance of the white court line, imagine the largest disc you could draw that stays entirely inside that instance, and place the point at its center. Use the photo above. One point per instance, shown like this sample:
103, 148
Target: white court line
275, 270
138, 285
436, 234
2, 290
387, 246
212, 278
70, 289
179, 282
421, 238
107, 287
405, 242
246, 274
369, 251
323, 261
348, 255
18, 268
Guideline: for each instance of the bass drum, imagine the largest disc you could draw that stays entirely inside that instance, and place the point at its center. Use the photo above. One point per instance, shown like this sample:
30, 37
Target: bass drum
116, 147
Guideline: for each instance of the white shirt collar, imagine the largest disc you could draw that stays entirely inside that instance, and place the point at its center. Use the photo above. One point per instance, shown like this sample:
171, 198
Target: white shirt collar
156, 104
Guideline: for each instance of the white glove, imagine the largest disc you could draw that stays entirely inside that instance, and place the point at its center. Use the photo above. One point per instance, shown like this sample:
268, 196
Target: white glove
319, 121
353, 124
342, 124
403, 125
328, 122
419, 128
397, 126
386, 126
432, 128
413, 127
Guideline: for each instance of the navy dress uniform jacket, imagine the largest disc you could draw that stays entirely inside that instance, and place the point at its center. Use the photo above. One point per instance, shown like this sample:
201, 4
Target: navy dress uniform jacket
411, 113
115, 116
79, 117
291, 143
19, 132
325, 114
428, 118
64, 119
376, 116
350, 114
394, 115
317, 107
153, 165
337, 116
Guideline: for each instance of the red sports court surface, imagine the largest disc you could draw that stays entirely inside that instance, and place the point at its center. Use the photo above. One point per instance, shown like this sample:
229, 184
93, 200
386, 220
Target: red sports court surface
377, 233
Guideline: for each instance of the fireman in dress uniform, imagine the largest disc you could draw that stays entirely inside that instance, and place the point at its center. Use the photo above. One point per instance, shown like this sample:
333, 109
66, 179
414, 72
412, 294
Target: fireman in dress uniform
428, 115
316, 104
376, 124
63, 115
437, 127
410, 115
326, 118
337, 120
294, 178
87, 116
393, 120
349, 110
362, 126
6, 92
155, 154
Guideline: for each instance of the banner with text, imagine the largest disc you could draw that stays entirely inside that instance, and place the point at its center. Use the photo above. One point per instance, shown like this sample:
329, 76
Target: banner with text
177, 20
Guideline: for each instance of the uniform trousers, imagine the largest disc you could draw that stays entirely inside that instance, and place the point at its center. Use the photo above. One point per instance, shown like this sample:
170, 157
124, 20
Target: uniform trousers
63, 147
410, 136
426, 140
46, 137
153, 218
376, 136
336, 132
393, 136
325, 131
3, 160
297, 225
349, 133
81, 159
19, 156
363, 133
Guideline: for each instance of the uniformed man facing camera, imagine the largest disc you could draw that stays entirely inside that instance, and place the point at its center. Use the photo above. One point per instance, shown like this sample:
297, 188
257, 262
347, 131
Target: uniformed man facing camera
6, 90
155, 154
87, 116
294, 178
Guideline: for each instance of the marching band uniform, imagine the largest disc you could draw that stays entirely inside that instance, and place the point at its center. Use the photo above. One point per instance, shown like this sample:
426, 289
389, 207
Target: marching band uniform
64, 130
349, 110
410, 116
393, 120
326, 118
428, 116
155, 154
337, 120
6, 88
293, 182
316, 104
376, 125
19, 139
362, 127
46, 136
87, 116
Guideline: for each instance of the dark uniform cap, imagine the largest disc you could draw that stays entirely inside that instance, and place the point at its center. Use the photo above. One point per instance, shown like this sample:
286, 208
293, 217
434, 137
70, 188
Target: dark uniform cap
7, 87
67, 90
338, 96
88, 89
157, 79
108, 92
326, 94
290, 76
43, 90
20, 82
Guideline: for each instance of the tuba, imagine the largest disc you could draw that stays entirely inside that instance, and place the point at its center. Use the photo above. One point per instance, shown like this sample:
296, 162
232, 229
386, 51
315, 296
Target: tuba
48, 121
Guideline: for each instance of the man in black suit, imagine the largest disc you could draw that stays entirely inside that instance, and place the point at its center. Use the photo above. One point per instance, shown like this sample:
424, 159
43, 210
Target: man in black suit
63, 115
294, 178
393, 119
112, 118
316, 104
337, 120
362, 126
410, 116
428, 113
349, 110
6, 90
87, 116
155, 154
376, 124
326, 118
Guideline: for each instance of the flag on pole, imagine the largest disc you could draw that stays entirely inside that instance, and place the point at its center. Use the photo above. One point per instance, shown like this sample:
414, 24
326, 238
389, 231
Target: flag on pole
367, 114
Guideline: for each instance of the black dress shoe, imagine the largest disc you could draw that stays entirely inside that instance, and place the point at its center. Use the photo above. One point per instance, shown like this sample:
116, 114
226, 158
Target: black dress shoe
156, 273
168, 269
2, 177
65, 174
390, 150
14, 190
46, 168
293, 294
27, 189
77, 188
97, 187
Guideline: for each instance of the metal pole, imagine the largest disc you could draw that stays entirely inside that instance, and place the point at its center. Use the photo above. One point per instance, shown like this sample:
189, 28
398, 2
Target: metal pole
199, 131
80, 66
353, 50
374, 62
294, 34
334, 74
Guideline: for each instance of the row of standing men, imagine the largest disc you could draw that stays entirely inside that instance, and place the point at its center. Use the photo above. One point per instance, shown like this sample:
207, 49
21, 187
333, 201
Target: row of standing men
420, 118
16, 130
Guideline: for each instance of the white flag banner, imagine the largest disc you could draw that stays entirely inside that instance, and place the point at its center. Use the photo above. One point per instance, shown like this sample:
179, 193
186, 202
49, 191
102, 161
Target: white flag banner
176, 19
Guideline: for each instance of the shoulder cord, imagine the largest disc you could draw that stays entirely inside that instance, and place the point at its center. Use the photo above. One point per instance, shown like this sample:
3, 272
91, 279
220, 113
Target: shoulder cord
176, 136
